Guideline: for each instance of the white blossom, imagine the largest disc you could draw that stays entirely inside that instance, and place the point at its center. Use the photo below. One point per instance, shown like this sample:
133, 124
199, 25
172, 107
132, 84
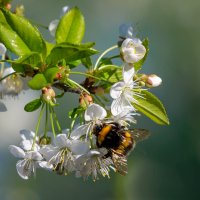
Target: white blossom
61, 154
132, 50
29, 152
123, 92
94, 163
11, 85
93, 114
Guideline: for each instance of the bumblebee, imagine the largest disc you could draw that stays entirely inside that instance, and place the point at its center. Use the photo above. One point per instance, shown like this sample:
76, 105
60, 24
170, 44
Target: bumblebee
119, 141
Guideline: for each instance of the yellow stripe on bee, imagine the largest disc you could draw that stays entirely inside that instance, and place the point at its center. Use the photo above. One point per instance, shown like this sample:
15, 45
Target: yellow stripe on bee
126, 142
127, 134
102, 134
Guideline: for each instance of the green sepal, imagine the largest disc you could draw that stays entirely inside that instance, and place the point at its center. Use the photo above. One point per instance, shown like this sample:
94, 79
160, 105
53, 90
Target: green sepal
33, 105
152, 107
71, 27
139, 64
50, 74
37, 82
24, 36
75, 112
87, 62
70, 52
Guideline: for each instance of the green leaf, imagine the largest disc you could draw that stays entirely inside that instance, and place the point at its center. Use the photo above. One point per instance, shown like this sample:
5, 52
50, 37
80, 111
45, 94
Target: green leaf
70, 52
37, 82
139, 64
152, 107
33, 105
71, 27
17, 46
27, 62
49, 47
111, 73
24, 36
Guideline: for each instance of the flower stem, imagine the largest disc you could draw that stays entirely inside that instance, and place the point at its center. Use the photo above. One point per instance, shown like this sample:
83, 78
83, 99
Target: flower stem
52, 123
56, 119
103, 54
89, 75
78, 85
38, 125
2, 65
46, 121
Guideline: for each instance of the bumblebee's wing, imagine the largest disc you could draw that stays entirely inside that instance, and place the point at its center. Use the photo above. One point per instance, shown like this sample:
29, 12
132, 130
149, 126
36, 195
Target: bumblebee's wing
139, 134
120, 162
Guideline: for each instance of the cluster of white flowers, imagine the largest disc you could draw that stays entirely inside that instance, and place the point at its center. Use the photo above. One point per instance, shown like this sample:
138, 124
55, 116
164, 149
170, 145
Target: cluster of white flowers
76, 152
82, 151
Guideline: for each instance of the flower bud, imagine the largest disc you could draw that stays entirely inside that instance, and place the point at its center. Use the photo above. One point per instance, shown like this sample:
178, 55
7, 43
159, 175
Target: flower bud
2, 49
48, 94
8, 6
85, 99
44, 140
153, 80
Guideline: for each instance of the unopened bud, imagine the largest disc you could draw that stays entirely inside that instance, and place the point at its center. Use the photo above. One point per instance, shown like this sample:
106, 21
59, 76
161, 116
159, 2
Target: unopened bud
45, 140
8, 6
85, 99
153, 80
48, 94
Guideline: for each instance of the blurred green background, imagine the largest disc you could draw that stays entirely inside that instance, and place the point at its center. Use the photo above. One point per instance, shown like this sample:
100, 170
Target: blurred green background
167, 165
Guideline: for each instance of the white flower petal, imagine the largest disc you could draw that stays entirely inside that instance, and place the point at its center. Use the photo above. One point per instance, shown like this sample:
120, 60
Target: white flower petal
136, 41
130, 56
49, 151
26, 144
27, 134
79, 147
128, 73
17, 151
21, 169
2, 49
116, 90
53, 26
8, 71
119, 105
34, 155
95, 112
60, 140
140, 51
46, 165
80, 131
126, 43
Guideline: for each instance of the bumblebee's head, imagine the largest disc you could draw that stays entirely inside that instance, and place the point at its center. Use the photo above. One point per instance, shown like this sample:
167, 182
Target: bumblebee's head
97, 129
